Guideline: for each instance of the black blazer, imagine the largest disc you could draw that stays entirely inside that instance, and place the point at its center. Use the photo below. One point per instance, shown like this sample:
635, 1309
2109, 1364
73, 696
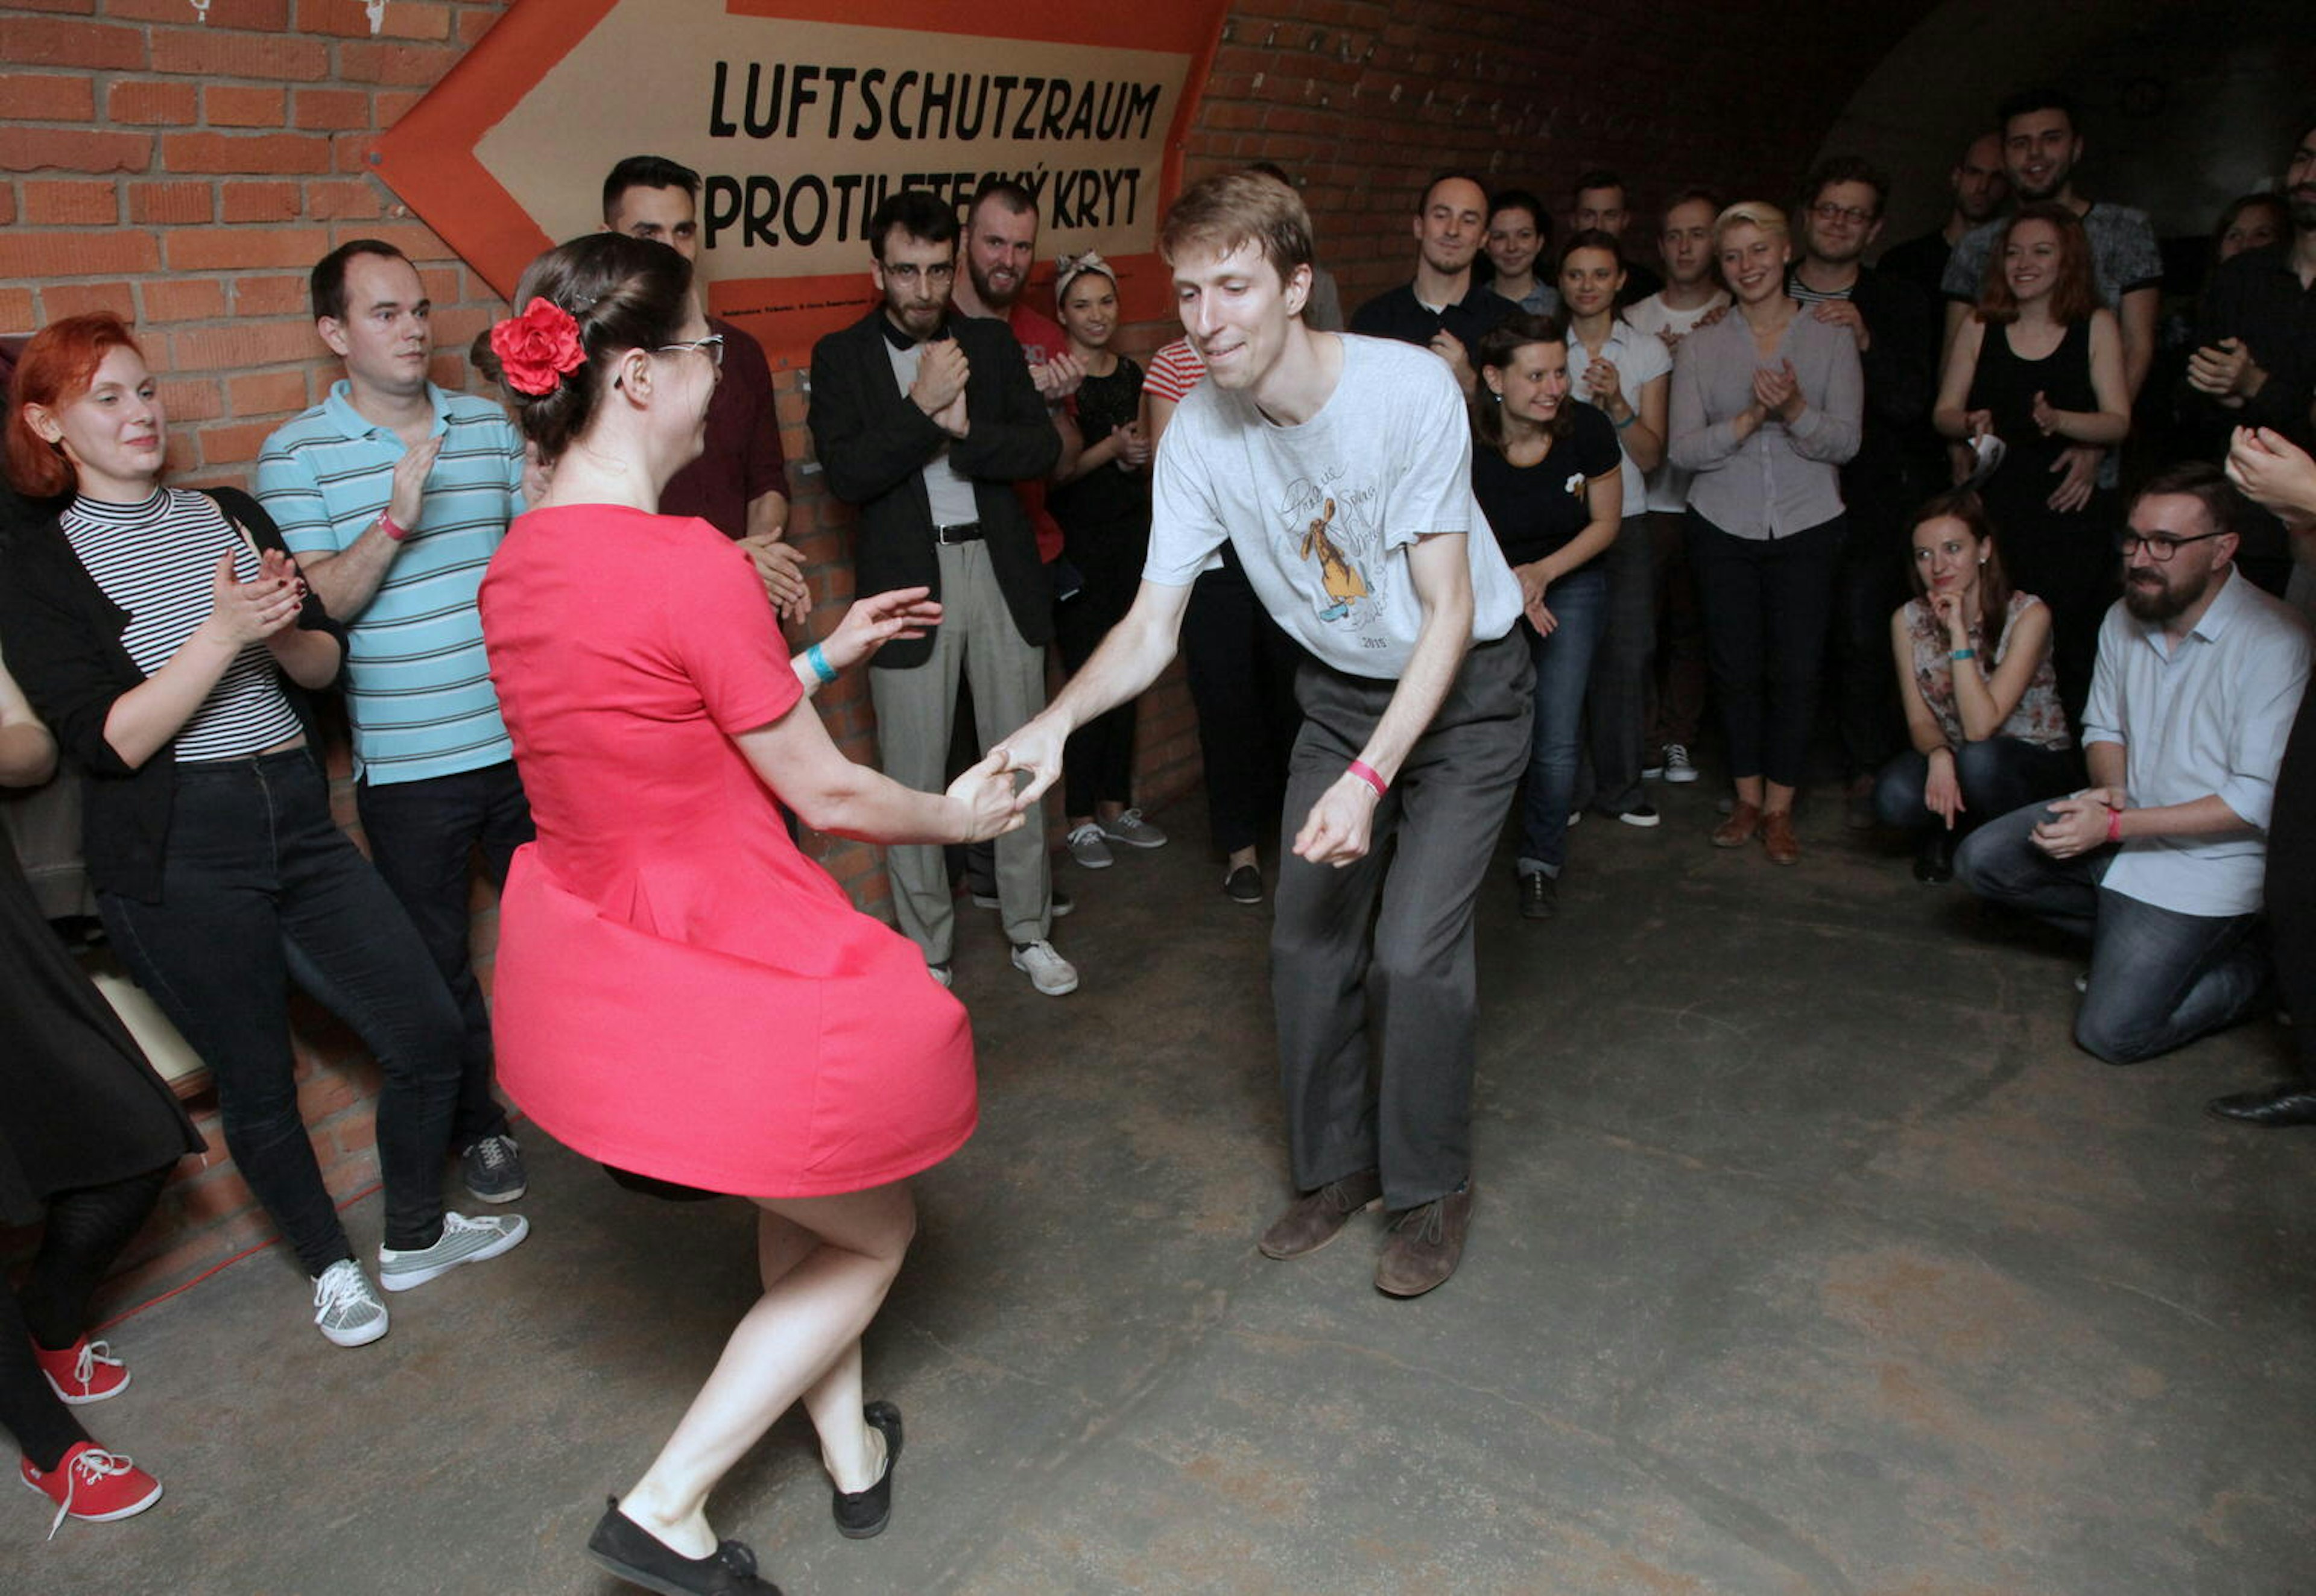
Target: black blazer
63, 638
873, 444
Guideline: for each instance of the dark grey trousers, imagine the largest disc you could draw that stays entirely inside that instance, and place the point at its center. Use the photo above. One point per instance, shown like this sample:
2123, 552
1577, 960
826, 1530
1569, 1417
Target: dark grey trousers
1434, 834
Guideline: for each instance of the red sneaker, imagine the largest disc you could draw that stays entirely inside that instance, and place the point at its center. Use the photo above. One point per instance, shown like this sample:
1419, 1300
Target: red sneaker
93, 1484
85, 1371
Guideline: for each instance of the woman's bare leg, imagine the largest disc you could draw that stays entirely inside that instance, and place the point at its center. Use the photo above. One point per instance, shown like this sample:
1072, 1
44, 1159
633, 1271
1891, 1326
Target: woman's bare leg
1750, 790
1780, 799
802, 1336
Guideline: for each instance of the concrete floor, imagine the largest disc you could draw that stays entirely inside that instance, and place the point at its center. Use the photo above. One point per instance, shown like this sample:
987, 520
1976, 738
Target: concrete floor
1810, 1257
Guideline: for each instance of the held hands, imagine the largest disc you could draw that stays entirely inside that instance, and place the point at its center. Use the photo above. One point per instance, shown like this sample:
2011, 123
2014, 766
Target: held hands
873, 621
942, 371
2273, 473
779, 566
1532, 585
1341, 824
2076, 825
407, 500
1037, 748
1841, 313
984, 798
1942, 792
1058, 378
2081, 465
245, 612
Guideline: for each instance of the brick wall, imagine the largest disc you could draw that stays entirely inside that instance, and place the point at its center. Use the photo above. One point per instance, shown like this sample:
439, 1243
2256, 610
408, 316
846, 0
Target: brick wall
186, 172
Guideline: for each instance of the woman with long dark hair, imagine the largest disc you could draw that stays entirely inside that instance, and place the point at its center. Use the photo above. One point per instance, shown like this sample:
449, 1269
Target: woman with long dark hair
167, 638
2039, 366
1973, 659
1546, 471
679, 993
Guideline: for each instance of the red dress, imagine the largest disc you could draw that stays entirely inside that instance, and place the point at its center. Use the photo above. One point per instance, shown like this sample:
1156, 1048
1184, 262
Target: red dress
680, 992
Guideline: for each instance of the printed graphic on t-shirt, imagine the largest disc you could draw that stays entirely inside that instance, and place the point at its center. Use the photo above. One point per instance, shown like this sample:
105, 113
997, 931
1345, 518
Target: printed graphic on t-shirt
1331, 540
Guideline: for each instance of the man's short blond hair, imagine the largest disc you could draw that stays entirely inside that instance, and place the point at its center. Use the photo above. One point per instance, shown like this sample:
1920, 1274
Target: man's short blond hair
1231, 209
1753, 213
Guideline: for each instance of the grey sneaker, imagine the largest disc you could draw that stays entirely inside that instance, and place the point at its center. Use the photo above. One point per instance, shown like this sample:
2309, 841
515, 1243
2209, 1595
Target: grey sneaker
1088, 849
1678, 767
941, 973
1133, 832
346, 1306
1047, 970
493, 1168
463, 1241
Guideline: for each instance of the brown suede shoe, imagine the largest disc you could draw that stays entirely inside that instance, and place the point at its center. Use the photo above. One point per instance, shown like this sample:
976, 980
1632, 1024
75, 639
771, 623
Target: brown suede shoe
1426, 1242
1778, 838
1314, 1218
1738, 829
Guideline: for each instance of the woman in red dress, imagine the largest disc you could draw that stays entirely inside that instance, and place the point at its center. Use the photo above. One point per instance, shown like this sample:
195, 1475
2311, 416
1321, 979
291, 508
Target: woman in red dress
679, 992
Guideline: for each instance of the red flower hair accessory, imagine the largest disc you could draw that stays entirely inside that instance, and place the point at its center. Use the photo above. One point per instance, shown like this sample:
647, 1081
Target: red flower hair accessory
538, 349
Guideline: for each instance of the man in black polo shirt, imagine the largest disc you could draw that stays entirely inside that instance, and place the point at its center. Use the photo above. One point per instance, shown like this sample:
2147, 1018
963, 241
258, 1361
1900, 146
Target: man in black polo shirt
1981, 188
1443, 309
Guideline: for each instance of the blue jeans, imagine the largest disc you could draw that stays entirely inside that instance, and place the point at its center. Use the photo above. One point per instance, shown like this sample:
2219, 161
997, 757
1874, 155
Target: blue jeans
1996, 775
2159, 980
1564, 669
423, 836
259, 886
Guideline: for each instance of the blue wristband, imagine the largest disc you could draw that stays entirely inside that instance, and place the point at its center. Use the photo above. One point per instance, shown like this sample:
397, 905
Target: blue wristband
1963, 654
821, 668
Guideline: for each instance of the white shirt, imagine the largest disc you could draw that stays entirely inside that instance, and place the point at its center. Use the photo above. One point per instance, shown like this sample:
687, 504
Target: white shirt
1640, 358
1669, 483
2209, 717
1323, 514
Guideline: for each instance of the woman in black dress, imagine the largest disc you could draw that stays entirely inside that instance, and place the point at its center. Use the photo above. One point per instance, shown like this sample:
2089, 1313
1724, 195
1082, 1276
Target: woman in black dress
2039, 365
89, 1135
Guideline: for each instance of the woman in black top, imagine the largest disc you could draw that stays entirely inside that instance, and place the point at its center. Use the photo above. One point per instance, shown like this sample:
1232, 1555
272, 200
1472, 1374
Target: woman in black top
165, 636
1103, 506
2039, 365
1546, 470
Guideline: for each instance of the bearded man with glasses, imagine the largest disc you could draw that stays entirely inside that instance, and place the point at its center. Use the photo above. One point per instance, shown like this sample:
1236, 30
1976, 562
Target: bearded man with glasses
2159, 861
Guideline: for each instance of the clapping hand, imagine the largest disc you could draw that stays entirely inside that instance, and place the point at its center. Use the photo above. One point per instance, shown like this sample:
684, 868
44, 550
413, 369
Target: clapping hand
2275, 473
1058, 378
1778, 391
875, 621
1133, 447
245, 612
406, 500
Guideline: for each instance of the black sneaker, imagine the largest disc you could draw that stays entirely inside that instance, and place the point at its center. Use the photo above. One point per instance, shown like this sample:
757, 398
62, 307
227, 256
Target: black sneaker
1539, 895
492, 1169
637, 1556
1640, 814
860, 1514
1244, 885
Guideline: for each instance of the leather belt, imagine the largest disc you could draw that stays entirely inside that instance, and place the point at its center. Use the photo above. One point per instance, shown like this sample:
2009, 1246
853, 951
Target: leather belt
968, 532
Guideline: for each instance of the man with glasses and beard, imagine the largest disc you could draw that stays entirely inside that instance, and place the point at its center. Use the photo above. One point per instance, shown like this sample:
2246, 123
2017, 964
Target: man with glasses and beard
2159, 861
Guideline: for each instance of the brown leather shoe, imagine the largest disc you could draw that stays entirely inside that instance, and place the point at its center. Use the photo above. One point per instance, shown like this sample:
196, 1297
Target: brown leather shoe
1426, 1242
1738, 829
1314, 1218
1778, 838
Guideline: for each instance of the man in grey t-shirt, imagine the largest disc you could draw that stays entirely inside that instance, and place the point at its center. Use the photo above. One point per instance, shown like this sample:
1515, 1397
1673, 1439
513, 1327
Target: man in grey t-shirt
1339, 469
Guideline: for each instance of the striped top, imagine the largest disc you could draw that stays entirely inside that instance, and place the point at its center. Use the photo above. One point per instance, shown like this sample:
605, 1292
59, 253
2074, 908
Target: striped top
418, 686
157, 560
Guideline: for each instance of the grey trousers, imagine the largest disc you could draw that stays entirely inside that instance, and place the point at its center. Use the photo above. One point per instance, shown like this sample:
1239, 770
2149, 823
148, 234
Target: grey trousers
1434, 834
915, 712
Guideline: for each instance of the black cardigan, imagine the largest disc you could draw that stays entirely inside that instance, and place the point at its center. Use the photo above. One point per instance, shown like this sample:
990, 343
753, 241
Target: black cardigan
62, 637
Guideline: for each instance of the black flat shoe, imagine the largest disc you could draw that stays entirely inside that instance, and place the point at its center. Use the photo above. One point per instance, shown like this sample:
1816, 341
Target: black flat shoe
637, 1556
1933, 859
860, 1514
2272, 1108
1539, 894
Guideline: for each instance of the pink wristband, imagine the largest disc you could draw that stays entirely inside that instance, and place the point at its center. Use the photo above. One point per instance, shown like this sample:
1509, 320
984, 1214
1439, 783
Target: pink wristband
392, 527
2114, 824
1366, 772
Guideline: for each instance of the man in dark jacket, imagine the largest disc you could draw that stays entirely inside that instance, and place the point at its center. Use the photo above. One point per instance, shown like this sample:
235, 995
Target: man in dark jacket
925, 420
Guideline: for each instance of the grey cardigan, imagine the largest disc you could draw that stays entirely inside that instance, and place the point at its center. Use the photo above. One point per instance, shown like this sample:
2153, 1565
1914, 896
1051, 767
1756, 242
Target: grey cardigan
1782, 479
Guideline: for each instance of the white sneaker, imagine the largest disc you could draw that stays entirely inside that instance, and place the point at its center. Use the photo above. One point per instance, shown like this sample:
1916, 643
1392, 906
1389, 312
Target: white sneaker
463, 1241
1677, 764
1133, 832
1088, 849
1047, 970
346, 1306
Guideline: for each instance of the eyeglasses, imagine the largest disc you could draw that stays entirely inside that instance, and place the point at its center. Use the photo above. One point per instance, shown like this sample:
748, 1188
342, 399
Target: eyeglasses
1842, 213
712, 346
2159, 546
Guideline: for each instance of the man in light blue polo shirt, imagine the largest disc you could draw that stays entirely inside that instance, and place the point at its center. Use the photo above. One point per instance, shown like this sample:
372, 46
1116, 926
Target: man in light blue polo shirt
2159, 861
394, 496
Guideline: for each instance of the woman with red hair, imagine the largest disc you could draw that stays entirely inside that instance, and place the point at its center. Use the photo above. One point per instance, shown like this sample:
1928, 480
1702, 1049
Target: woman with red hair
167, 638
2039, 366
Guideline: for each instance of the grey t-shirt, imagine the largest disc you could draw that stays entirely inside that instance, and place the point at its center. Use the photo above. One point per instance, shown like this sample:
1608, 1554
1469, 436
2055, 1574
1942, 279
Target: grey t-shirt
2124, 255
1323, 514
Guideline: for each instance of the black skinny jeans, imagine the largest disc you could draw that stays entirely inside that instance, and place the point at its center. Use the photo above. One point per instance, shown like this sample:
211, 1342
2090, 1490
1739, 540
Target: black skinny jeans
1767, 602
260, 887
1240, 669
